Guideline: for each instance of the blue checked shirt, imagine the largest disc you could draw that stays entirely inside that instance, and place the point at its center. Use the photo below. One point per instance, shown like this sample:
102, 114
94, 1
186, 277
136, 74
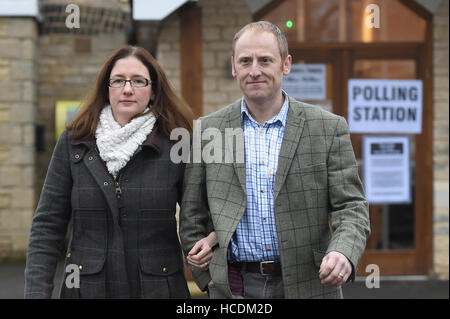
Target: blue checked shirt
255, 238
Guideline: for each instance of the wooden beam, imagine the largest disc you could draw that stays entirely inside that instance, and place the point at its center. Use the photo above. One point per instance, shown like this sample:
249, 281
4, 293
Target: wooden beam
191, 57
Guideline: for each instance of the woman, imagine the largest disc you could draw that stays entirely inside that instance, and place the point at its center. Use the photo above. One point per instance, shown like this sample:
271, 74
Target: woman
111, 174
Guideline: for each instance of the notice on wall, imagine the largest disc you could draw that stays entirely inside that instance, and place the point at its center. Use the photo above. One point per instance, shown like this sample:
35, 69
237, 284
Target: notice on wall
65, 113
385, 106
387, 177
306, 82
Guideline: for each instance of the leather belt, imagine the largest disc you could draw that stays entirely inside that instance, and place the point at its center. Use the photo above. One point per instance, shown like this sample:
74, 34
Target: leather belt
265, 268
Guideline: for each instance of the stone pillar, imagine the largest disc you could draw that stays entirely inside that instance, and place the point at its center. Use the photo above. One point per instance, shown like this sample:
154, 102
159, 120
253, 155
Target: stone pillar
18, 81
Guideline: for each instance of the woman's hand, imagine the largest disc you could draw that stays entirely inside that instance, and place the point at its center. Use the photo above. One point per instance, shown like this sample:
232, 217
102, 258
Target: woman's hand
201, 254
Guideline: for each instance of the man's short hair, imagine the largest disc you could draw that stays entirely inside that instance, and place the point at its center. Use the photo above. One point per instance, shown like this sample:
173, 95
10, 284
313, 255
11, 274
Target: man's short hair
269, 27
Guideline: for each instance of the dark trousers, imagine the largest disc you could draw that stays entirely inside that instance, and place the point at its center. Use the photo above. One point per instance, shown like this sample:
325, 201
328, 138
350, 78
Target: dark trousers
256, 286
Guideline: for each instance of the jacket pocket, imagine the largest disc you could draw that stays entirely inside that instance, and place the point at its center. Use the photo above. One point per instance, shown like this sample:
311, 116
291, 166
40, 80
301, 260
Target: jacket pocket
88, 254
162, 276
89, 268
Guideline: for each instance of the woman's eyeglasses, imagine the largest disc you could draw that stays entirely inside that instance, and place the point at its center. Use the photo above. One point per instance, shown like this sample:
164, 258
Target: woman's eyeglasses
135, 82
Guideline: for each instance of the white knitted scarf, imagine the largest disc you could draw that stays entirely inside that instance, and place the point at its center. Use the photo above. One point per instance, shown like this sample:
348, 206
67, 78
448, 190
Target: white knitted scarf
117, 144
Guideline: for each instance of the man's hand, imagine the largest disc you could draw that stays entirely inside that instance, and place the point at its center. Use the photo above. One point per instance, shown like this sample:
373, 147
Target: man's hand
201, 254
335, 269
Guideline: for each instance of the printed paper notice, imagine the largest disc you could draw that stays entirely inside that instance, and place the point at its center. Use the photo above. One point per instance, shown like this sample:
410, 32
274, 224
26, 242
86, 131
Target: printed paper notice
387, 177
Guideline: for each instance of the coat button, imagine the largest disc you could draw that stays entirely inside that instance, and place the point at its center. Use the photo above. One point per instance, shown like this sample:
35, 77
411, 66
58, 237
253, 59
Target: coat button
105, 184
80, 267
91, 158
68, 255
77, 156
164, 270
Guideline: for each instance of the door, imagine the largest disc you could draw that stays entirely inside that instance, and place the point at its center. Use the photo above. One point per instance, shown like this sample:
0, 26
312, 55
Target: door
398, 243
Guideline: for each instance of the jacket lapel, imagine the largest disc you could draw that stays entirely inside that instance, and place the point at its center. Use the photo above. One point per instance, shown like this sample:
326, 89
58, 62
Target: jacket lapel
291, 138
238, 150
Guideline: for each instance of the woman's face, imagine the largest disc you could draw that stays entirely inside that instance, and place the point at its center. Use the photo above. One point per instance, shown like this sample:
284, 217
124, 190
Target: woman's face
128, 101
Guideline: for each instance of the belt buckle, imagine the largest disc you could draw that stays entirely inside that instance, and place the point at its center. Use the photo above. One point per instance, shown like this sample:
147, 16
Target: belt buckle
261, 267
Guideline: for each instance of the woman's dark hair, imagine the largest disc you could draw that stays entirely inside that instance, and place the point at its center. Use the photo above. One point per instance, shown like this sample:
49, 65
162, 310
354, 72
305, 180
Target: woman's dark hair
170, 110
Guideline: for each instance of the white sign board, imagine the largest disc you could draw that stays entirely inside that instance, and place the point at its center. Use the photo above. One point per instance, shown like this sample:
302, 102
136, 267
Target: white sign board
21, 8
385, 106
387, 177
306, 82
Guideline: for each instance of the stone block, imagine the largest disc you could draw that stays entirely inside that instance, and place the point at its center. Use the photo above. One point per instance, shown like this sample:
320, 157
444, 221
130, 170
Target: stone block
4, 116
4, 27
5, 201
441, 198
28, 90
10, 135
28, 49
226, 85
211, 33
4, 154
23, 28
215, 97
10, 176
11, 219
28, 135
209, 84
10, 92
20, 242
209, 59
22, 113
4, 73
21, 155
22, 198
28, 176
22, 70
10, 48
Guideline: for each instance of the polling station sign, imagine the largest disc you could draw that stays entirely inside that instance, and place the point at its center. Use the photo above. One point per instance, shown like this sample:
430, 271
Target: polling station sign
385, 106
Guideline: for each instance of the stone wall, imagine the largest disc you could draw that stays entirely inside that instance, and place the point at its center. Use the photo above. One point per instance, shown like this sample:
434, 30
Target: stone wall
37, 69
221, 19
441, 141
18, 40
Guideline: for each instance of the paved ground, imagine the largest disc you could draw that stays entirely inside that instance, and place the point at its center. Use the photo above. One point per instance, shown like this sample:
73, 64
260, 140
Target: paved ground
11, 286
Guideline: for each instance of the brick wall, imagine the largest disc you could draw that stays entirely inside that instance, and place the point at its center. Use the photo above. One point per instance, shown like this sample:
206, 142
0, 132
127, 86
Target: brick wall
18, 40
441, 141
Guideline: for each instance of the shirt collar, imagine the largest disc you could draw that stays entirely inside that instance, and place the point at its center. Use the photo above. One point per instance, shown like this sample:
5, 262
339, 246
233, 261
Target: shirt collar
281, 116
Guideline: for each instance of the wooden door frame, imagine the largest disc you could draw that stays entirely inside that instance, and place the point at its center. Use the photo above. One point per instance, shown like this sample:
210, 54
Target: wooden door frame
342, 57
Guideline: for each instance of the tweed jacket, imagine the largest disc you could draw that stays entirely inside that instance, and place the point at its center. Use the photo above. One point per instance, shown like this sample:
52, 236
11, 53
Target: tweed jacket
316, 180
124, 237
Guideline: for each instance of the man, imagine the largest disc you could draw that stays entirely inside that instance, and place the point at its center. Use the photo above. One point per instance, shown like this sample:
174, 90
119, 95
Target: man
271, 213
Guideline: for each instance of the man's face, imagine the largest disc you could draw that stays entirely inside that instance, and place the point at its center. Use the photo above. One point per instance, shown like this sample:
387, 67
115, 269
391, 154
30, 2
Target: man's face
258, 67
